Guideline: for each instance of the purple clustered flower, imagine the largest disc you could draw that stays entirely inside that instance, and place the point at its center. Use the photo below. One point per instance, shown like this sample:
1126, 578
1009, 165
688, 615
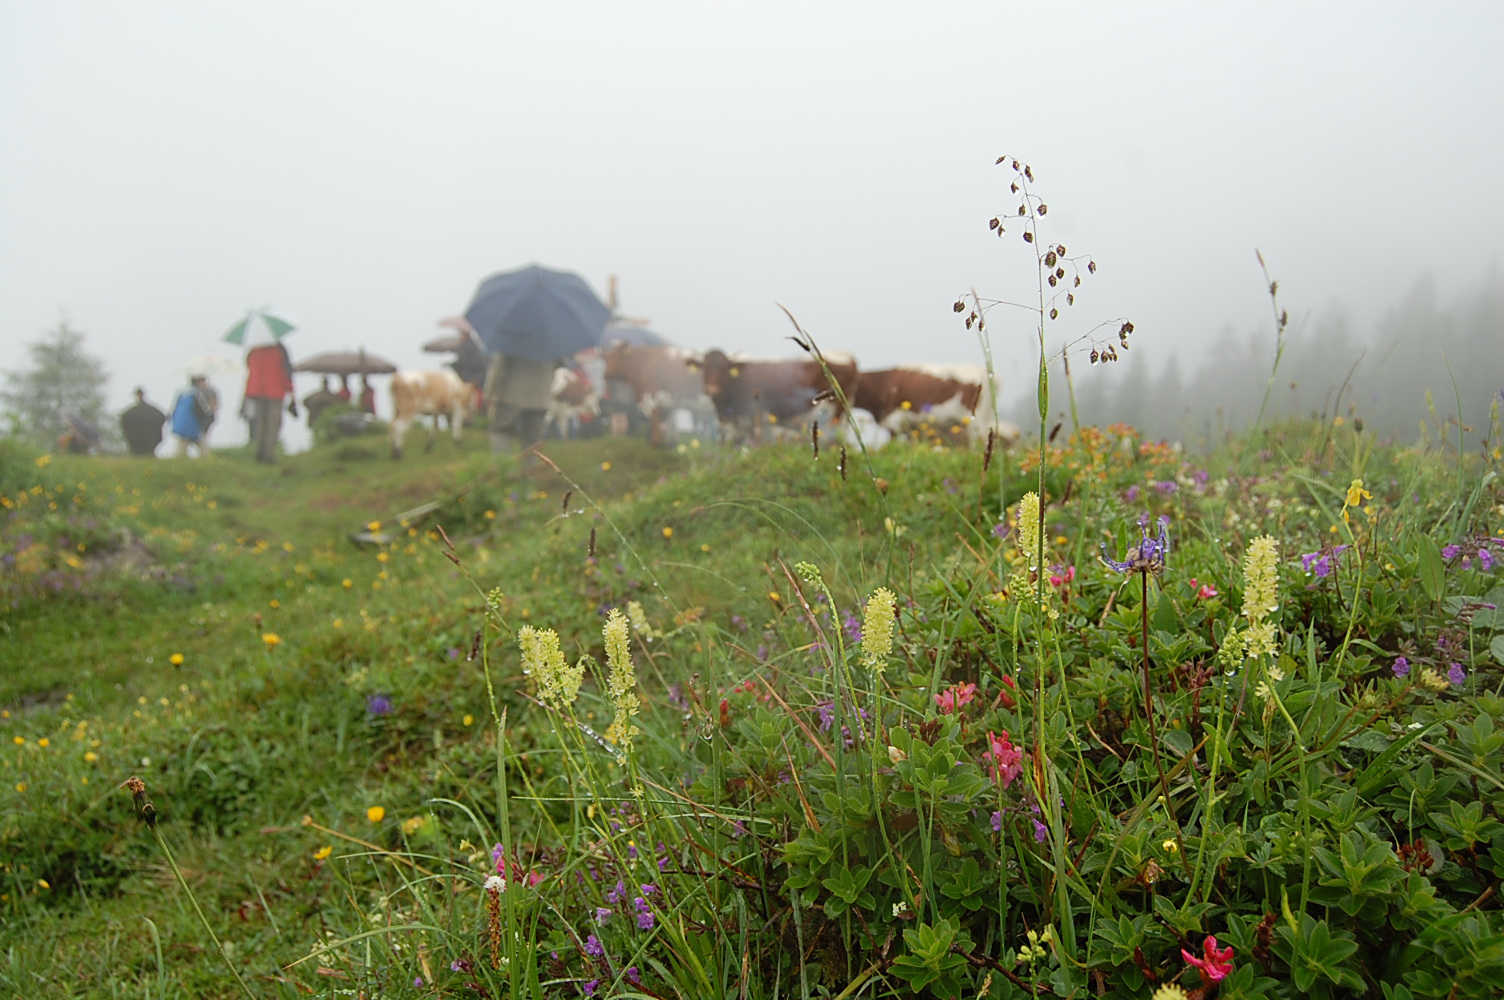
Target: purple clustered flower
644, 915
602, 914
1401, 667
1167, 487
1486, 560
1000, 529
593, 947
1456, 674
1449, 552
1150, 553
1321, 562
1132, 494
590, 987
378, 704
418, 982
853, 626
827, 711
997, 822
633, 976
617, 894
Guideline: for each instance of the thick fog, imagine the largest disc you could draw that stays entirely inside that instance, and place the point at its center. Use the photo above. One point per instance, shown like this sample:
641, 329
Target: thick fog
361, 166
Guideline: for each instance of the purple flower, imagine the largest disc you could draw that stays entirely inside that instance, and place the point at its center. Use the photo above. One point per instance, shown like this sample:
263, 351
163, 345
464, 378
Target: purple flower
1450, 551
632, 852
738, 829
648, 888
1486, 559
589, 988
1401, 666
1457, 675
418, 982
378, 704
1167, 487
633, 976
1149, 555
827, 712
602, 914
1040, 832
453, 652
644, 915
1132, 494
1000, 529
853, 626
618, 894
997, 822
593, 947
457, 966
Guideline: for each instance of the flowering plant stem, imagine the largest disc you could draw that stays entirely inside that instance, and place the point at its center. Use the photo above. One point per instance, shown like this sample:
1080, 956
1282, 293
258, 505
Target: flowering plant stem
177, 873
1159, 766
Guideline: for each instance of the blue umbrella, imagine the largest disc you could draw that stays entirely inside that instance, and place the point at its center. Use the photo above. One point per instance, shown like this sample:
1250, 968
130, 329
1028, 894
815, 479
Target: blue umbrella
634, 335
537, 314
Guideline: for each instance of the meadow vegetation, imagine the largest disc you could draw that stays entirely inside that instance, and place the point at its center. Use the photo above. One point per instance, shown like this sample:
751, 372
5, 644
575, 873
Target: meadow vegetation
709, 722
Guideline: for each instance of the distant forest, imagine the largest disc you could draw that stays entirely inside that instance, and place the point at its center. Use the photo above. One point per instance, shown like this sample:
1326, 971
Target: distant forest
1406, 354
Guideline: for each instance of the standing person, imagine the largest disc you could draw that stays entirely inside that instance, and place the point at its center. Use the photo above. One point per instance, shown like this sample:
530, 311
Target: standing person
208, 398
517, 394
268, 382
344, 394
318, 402
367, 396
190, 415
142, 426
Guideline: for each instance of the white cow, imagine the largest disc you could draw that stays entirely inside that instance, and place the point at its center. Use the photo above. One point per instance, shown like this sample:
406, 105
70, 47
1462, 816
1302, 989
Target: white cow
572, 401
432, 393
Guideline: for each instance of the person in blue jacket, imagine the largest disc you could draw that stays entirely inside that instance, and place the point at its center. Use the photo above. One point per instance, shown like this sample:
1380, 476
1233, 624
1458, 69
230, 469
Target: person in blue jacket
191, 413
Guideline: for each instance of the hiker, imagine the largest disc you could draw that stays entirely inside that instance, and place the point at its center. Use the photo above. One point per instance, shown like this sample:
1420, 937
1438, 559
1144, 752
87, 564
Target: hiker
517, 394
367, 396
191, 414
268, 382
317, 402
142, 426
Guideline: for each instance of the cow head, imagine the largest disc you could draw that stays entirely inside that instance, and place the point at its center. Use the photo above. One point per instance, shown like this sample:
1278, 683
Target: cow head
716, 369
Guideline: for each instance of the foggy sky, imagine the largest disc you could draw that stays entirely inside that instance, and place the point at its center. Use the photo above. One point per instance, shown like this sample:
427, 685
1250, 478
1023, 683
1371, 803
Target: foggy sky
360, 167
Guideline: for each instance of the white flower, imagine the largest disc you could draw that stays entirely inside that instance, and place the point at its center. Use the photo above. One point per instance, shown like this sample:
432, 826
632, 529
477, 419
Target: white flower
495, 883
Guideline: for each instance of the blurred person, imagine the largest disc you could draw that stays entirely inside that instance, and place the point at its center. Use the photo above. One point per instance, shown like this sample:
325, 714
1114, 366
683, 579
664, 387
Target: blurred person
142, 426
367, 396
344, 395
79, 436
317, 402
268, 382
191, 413
517, 393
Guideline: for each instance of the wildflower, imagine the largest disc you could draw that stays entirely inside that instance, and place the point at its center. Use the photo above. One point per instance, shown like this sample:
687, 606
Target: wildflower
1040, 832
593, 947
494, 886
1356, 494
1456, 674
1005, 758
90, 756
271, 639
602, 914
621, 681
1035, 950
1485, 560
900, 908
418, 981
1433, 681
633, 976
668, 533
1170, 991
639, 619
1215, 963
558, 683
348, 583
617, 894
1062, 576
376, 814
176, 659
1321, 562
852, 627
877, 629
378, 704
1169, 846
1150, 553
20, 741
589, 988
997, 822
1260, 595
323, 852
44, 742
1401, 666
954, 697
1449, 552
644, 915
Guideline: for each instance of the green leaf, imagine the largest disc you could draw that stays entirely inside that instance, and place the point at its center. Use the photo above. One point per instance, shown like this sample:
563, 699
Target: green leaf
1433, 571
1497, 648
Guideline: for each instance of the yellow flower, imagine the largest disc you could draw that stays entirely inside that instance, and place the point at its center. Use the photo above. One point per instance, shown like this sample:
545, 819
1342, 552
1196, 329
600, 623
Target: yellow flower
44, 883
704, 547
376, 814
1169, 846
323, 852
622, 679
413, 825
1170, 991
1260, 595
20, 741
339, 623
90, 756
347, 583
373, 526
382, 557
469, 720
490, 515
44, 461
877, 629
276, 603
44, 742
605, 466
558, 683
271, 639
1356, 494
20, 786
176, 659
668, 533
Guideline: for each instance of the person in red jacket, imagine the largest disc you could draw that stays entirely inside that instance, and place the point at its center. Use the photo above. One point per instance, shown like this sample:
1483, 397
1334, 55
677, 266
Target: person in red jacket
269, 382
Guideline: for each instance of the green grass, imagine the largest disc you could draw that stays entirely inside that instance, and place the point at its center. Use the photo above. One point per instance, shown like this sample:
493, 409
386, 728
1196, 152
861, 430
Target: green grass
783, 851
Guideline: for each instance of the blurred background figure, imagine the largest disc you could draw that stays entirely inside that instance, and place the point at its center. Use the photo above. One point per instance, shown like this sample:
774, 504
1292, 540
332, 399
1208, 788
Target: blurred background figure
367, 396
517, 395
191, 416
317, 402
267, 384
344, 395
142, 426
79, 437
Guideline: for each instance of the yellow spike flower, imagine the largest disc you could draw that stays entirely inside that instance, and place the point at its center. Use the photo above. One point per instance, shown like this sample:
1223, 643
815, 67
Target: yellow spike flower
1260, 595
621, 680
877, 629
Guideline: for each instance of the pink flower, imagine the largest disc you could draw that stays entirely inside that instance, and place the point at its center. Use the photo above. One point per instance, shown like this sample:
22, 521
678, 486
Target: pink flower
954, 697
1217, 963
1060, 579
1004, 757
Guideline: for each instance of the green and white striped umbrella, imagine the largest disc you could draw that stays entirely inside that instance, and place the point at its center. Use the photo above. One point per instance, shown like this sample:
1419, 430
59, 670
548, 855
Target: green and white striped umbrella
257, 325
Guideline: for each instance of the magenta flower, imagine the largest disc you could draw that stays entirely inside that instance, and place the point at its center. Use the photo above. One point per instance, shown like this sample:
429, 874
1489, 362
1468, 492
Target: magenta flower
954, 697
1215, 963
1005, 759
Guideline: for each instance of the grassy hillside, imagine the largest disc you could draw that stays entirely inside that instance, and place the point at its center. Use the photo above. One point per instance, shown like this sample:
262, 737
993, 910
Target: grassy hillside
337, 737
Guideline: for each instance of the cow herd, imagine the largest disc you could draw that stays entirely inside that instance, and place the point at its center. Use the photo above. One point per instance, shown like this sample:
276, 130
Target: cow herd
737, 399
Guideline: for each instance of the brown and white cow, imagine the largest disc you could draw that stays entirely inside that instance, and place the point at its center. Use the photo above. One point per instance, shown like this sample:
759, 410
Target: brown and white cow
751, 394
662, 379
433, 393
952, 399
571, 399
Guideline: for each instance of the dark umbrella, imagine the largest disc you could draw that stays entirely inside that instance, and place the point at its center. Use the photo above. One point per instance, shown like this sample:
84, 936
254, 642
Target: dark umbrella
346, 363
446, 343
537, 314
633, 335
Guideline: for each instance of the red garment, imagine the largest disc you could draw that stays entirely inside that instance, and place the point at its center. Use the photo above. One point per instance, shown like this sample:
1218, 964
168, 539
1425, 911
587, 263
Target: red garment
270, 372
